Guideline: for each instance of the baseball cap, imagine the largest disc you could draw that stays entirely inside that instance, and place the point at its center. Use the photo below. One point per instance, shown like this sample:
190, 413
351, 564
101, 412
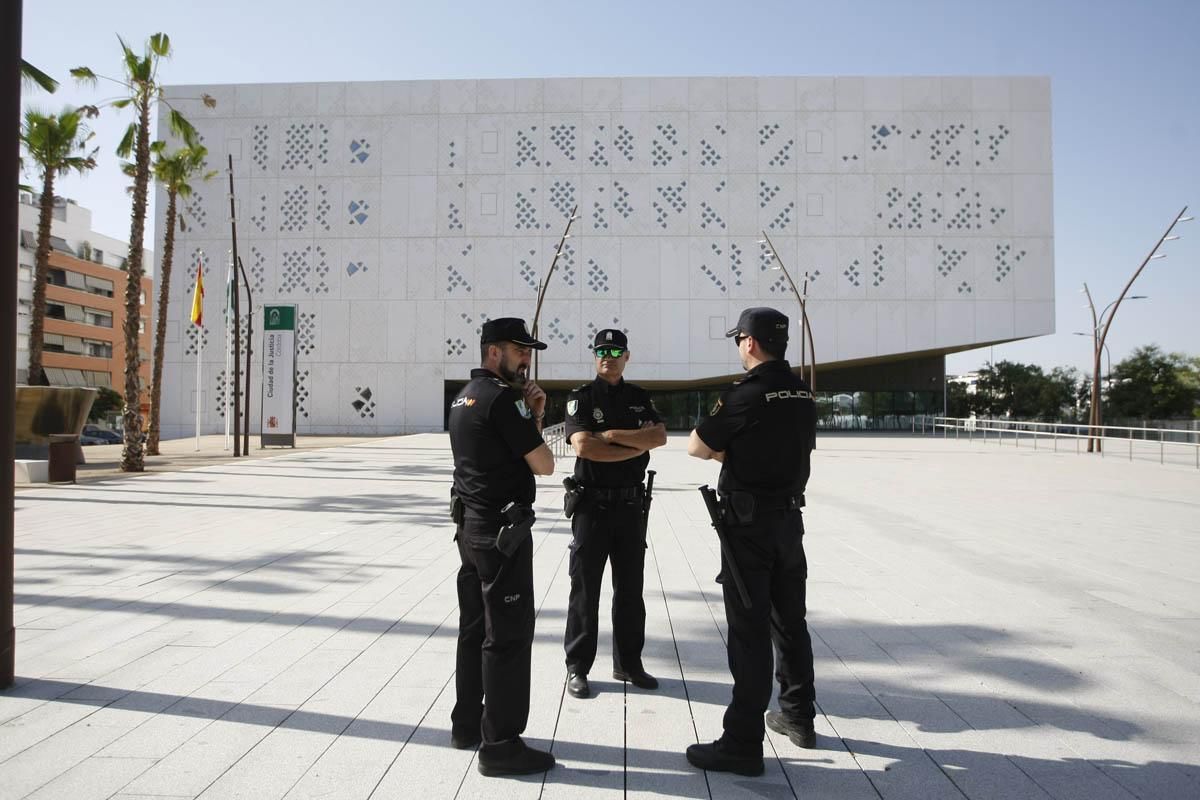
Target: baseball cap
610, 337
763, 323
509, 329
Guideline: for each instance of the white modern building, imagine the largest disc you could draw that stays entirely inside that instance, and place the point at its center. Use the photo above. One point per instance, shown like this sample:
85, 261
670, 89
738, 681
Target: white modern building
398, 216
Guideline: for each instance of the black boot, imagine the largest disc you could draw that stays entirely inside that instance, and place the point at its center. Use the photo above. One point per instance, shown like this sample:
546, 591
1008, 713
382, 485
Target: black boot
577, 685
716, 757
638, 677
800, 732
513, 757
465, 740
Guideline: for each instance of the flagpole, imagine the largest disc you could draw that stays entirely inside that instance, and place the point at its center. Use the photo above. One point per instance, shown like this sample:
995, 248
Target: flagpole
228, 352
199, 393
197, 317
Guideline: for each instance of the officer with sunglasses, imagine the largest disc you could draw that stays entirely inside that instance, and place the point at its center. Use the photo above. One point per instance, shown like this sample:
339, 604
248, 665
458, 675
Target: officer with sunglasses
612, 425
762, 431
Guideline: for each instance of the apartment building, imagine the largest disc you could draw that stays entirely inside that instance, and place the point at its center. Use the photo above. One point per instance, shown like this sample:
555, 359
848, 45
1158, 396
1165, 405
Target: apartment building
84, 344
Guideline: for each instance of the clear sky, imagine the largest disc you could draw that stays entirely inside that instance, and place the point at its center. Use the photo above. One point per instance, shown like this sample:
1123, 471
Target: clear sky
1125, 81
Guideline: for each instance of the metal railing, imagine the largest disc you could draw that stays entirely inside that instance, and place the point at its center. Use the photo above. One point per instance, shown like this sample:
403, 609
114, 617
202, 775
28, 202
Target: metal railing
1145, 441
556, 439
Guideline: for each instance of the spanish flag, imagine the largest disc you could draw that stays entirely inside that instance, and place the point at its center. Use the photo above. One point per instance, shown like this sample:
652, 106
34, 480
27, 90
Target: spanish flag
198, 299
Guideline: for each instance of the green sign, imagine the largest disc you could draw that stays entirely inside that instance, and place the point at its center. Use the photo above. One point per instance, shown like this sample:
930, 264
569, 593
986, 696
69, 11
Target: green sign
279, 318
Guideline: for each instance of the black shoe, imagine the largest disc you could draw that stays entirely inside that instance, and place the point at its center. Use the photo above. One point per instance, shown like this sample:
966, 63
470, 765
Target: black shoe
715, 758
512, 758
639, 678
801, 732
465, 741
577, 685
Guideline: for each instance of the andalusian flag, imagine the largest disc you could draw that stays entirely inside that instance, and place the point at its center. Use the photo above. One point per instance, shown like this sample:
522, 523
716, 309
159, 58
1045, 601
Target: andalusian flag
198, 299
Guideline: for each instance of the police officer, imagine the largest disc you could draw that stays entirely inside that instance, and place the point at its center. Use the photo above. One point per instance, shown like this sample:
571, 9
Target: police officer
762, 431
495, 434
612, 425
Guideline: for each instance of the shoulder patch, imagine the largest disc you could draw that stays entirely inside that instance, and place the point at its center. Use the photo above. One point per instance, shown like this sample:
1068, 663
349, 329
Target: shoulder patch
523, 409
572, 407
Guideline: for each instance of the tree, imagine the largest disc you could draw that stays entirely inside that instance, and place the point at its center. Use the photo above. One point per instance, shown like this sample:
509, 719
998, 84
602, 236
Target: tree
958, 402
174, 171
1151, 384
1057, 397
106, 402
1024, 391
140, 89
56, 144
32, 75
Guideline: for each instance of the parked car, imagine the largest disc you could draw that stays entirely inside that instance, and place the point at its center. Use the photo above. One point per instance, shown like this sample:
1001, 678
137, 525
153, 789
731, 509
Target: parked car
94, 434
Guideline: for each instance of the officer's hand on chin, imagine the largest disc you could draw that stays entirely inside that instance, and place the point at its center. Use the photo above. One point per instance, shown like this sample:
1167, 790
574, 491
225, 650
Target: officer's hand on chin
535, 397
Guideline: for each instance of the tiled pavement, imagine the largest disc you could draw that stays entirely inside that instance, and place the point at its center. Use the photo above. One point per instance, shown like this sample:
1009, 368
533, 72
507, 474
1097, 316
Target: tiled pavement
988, 623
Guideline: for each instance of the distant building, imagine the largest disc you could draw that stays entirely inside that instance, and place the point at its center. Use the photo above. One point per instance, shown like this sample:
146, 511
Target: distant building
85, 309
970, 380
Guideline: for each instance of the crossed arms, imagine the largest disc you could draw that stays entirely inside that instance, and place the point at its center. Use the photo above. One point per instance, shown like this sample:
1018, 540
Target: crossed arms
619, 444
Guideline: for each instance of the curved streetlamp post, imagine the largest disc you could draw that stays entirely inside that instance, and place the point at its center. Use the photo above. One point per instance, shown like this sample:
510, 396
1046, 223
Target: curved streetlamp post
545, 283
805, 328
1096, 333
1102, 323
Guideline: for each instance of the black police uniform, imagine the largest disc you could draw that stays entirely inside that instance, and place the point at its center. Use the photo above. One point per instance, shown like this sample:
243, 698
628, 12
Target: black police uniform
608, 525
491, 430
766, 425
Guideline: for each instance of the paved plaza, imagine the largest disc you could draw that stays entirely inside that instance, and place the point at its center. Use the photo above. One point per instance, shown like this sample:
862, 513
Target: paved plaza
988, 622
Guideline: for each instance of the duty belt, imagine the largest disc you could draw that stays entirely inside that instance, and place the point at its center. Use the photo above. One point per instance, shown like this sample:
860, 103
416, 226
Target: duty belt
767, 502
615, 493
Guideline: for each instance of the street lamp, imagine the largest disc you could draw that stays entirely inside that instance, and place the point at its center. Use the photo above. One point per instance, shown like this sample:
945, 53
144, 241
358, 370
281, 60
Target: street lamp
1095, 331
1107, 354
545, 283
1102, 324
805, 328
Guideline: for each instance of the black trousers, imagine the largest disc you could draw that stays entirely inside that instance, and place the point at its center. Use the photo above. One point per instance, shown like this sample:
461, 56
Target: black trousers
606, 531
495, 634
770, 554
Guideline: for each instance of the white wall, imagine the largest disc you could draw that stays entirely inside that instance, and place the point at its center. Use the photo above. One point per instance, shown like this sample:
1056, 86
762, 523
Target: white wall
920, 206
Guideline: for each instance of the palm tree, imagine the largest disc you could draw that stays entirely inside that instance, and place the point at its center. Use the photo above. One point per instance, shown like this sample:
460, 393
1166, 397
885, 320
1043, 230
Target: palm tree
140, 88
56, 144
174, 171
32, 75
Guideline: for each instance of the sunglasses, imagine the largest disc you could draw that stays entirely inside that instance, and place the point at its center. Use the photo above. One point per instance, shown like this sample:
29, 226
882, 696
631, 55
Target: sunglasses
609, 352
739, 338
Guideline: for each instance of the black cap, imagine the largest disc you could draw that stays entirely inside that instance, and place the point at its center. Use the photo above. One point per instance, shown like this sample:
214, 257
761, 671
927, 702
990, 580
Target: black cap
509, 329
610, 337
764, 324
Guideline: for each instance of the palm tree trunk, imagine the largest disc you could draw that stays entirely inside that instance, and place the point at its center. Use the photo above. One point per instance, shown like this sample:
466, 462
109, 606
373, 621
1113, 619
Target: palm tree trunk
133, 456
160, 324
37, 318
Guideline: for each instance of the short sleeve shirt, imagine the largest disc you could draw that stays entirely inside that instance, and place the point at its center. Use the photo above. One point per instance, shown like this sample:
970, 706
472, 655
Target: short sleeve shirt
766, 426
599, 406
491, 431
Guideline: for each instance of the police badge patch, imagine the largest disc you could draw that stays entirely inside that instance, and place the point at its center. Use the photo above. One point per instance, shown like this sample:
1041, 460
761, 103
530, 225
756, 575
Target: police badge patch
523, 409
598, 415
572, 407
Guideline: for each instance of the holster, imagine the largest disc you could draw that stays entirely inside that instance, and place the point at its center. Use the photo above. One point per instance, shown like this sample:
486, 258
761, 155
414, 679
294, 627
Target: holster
738, 508
518, 526
457, 509
572, 497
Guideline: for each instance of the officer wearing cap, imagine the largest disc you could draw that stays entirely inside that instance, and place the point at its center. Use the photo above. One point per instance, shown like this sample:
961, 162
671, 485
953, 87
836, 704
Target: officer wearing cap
612, 425
762, 431
495, 435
